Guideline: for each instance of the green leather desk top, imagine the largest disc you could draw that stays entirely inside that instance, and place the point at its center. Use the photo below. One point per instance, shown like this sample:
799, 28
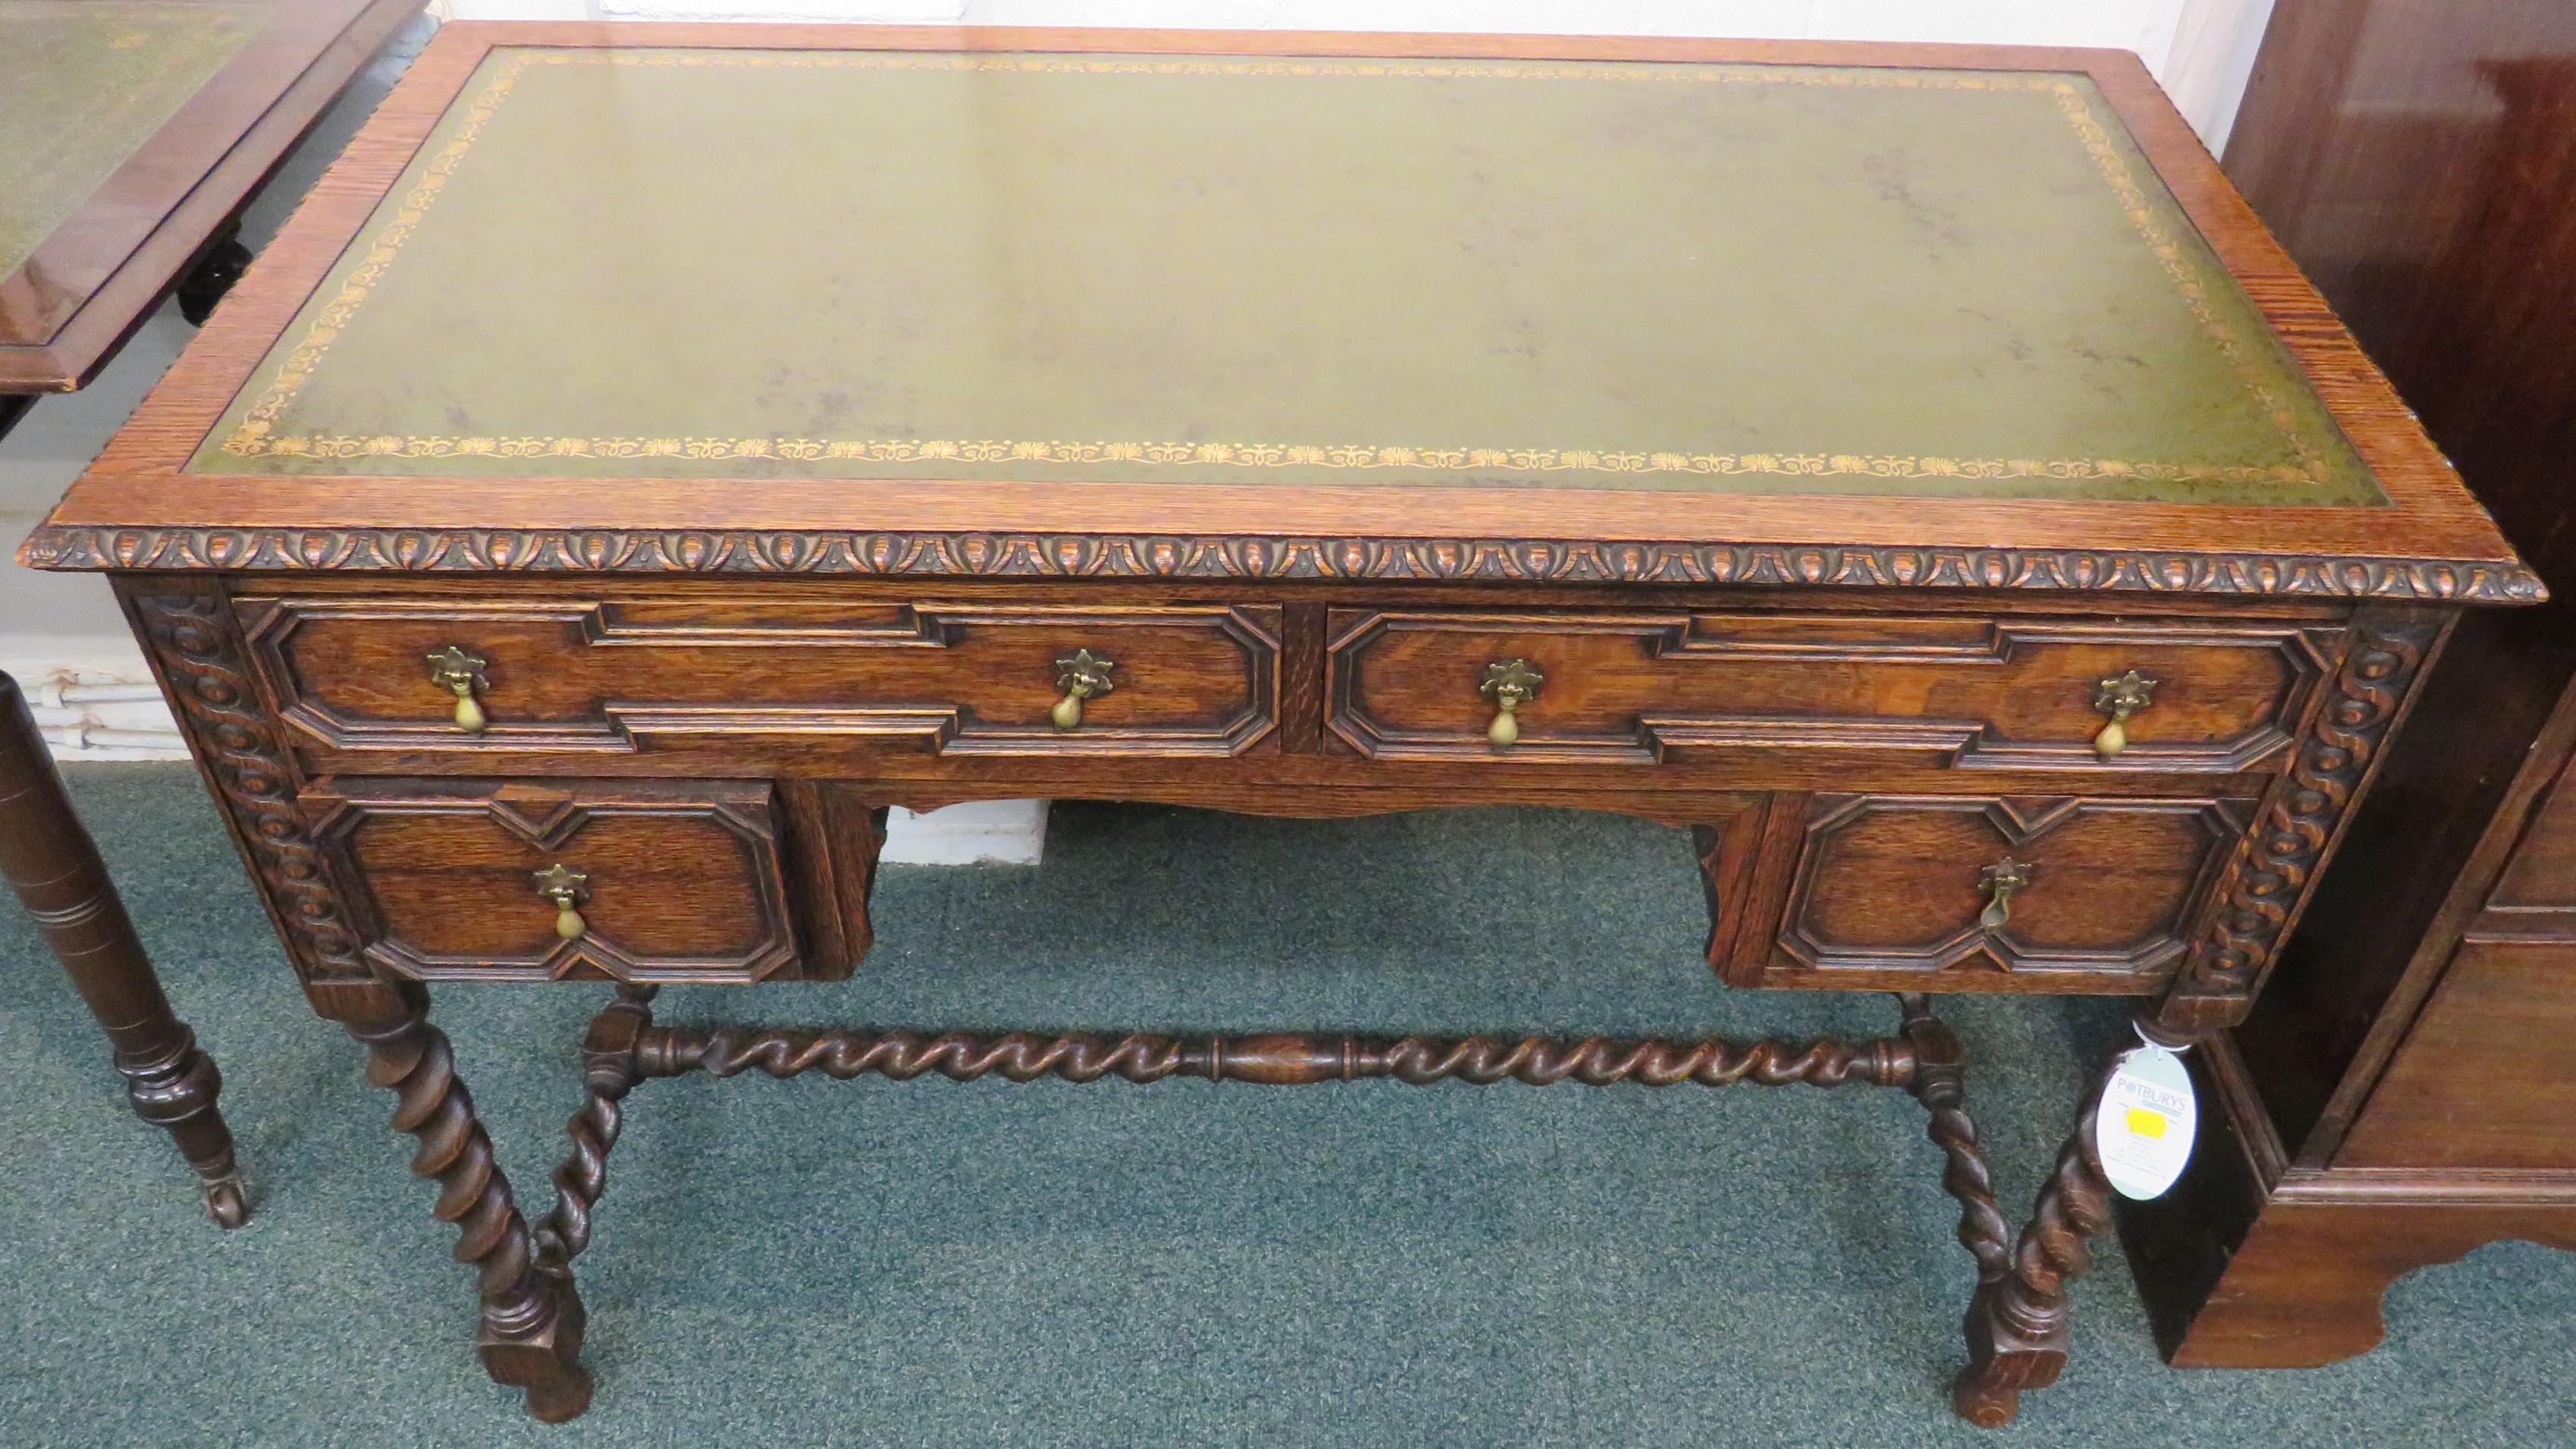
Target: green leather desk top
85, 82
822, 264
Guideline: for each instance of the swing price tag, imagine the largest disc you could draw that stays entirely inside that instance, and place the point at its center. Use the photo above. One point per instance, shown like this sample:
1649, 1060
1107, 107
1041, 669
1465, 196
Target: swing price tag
2146, 1122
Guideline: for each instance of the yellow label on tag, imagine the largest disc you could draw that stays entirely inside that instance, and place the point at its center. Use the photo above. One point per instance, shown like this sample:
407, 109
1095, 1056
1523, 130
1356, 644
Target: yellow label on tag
2146, 1122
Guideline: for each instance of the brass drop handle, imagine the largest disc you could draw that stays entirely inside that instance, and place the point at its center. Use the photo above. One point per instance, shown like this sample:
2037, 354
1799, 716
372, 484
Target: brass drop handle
1999, 881
461, 674
567, 888
1509, 683
2120, 697
1081, 675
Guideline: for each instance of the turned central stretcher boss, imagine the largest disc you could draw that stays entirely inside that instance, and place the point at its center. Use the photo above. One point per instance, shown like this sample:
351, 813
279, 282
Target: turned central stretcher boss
655, 451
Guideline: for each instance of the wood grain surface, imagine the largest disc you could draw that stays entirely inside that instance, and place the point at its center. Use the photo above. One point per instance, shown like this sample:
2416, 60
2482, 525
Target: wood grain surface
683, 879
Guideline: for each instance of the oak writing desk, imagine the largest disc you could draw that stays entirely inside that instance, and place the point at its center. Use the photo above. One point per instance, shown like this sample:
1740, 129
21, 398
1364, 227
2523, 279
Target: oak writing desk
654, 451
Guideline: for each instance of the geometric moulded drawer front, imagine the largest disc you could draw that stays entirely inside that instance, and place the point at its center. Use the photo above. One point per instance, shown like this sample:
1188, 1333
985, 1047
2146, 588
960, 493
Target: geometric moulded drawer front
622, 675
1958, 690
1998, 894
539, 880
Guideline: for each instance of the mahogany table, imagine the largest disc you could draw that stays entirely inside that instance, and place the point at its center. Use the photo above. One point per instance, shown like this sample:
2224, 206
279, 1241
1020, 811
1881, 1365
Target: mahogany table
655, 451
132, 134
49, 861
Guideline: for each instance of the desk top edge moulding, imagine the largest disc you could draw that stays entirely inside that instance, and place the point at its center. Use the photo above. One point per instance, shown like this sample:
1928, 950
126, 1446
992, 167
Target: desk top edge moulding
1613, 319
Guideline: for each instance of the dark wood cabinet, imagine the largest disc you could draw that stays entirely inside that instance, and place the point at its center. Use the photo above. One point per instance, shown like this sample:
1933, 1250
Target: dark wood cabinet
2401, 1093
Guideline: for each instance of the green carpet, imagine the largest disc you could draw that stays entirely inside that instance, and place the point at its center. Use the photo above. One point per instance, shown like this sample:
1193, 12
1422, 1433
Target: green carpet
1187, 1264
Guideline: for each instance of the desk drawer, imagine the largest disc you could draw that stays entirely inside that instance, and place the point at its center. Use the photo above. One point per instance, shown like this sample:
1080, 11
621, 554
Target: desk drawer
1980, 893
535, 880
614, 675
1957, 690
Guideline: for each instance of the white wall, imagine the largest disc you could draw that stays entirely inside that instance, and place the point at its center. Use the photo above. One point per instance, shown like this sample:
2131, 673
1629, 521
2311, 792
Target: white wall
2201, 49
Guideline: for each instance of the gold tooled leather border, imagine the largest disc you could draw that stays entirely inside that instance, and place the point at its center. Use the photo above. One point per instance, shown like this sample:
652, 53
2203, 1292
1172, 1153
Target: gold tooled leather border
254, 436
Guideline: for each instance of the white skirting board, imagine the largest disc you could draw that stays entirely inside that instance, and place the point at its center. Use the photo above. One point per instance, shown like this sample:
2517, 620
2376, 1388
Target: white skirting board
987, 832
92, 703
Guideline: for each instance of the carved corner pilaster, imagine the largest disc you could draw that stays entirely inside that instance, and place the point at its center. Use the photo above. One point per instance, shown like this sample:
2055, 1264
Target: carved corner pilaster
196, 648
2266, 883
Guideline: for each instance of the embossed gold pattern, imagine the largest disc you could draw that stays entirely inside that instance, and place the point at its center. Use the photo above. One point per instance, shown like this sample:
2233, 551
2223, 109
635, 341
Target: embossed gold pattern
256, 434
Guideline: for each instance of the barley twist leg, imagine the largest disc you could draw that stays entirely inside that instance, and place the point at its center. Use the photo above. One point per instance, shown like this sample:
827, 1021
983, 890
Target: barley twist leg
609, 1072
1940, 1084
530, 1336
2017, 1322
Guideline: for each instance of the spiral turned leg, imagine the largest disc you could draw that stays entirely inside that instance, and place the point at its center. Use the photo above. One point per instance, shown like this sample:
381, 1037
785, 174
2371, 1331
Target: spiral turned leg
609, 1072
49, 859
1940, 1084
2016, 1325
532, 1320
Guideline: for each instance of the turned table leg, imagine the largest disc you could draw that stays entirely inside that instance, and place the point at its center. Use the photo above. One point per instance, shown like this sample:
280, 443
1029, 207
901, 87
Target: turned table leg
212, 277
532, 1319
1940, 1083
51, 861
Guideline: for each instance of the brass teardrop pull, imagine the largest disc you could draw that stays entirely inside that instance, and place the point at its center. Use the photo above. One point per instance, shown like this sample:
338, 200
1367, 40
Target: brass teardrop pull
1999, 881
461, 674
2120, 697
567, 888
1509, 683
1081, 675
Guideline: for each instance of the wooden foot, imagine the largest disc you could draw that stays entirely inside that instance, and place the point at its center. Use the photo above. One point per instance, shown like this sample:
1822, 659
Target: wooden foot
2016, 1323
176, 1092
2304, 1286
532, 1320
55, 868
